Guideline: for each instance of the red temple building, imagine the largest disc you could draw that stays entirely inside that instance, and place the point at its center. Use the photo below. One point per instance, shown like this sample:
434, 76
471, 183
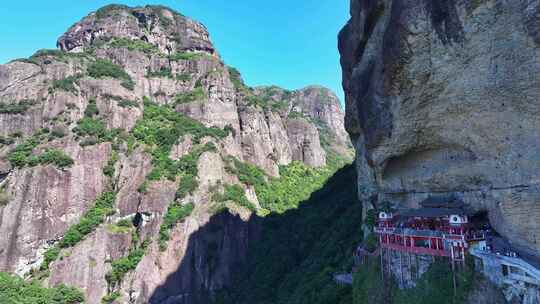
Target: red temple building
440, 227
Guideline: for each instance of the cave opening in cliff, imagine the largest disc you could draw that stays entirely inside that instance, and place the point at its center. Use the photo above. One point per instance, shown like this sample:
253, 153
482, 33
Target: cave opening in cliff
3, 176
137, 219
480, 220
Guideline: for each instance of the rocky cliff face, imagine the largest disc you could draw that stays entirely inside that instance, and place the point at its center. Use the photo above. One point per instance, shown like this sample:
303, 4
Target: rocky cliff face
443, 97
120, 150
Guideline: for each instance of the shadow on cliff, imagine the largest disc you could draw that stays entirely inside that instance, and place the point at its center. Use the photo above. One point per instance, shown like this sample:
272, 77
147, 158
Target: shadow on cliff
281, 258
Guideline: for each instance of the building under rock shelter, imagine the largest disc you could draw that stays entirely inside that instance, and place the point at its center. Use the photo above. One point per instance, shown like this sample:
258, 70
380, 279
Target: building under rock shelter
410, 239
440, 227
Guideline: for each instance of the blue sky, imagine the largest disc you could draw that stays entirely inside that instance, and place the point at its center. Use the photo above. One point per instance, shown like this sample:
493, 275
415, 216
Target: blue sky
290, 43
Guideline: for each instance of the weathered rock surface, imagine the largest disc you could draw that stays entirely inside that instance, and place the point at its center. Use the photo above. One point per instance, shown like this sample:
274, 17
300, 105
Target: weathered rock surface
44, 201
160, 26
444, 97
170, 61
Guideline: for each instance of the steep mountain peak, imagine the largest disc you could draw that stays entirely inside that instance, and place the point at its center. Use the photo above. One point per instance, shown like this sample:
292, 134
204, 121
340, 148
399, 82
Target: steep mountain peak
160, 26
318, 103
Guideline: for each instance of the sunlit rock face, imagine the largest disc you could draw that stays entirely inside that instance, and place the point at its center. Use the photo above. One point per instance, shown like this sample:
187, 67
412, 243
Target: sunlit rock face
444, 97
168, 57
168, 30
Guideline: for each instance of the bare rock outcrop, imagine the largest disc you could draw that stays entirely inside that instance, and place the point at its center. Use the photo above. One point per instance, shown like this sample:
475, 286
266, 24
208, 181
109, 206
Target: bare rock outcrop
167, 29
443, 97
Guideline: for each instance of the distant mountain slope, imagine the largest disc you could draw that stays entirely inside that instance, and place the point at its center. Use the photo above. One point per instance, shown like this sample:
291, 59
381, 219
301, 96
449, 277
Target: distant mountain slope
301, 249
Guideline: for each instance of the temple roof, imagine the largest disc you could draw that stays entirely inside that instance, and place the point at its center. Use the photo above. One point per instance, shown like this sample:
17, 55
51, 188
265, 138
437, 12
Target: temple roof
432, 212
442, 202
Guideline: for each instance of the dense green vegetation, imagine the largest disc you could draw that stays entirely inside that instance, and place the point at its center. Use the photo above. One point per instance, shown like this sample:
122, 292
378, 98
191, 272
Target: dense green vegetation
187, 185
54, 157
122, 266
104, 206
236, 79
183, 77
14, 290
57, 54
297, 181
109, 10
296, 184
110, 298
198, 94
367, 285
109, 170
134, 45
91, 109
236, 194
88, 126
20, 155
92, 128
187, 56
163, 72
176, 213
125, 103
23, 156
66, 84
161, 126
301, 249
435, 286
58, 132
102, 68
16, 107
95, 129
263, 100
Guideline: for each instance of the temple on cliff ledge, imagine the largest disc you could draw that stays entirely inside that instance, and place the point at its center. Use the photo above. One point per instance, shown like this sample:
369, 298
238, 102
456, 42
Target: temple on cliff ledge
440, 227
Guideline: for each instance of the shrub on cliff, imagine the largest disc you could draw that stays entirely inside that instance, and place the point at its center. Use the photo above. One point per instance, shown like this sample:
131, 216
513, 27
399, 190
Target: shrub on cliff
66, 84
198, 94
109, 10
104, 206
236, 79
162, 126
163, 72
16, 290
55, 157
123, 265
234, 193
22, 156
103, 68
91, 109
134, 45
16, 107
176, 213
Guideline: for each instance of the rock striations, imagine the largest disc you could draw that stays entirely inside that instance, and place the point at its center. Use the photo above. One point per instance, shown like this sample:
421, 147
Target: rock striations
444, 97
119, 151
